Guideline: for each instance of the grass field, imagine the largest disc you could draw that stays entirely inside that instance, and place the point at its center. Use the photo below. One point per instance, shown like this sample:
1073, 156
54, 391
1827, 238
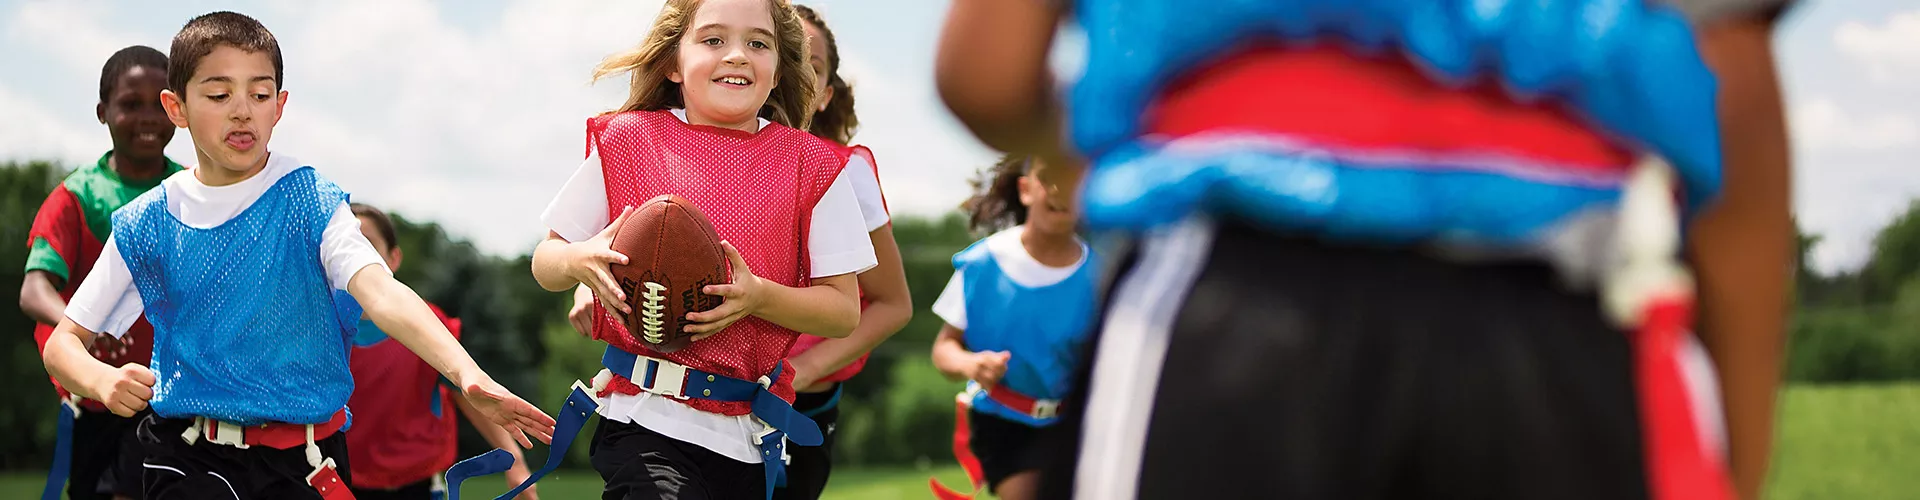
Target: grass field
1853, 442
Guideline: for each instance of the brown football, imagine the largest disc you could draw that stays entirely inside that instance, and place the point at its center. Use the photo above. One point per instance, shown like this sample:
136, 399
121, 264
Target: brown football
672, 253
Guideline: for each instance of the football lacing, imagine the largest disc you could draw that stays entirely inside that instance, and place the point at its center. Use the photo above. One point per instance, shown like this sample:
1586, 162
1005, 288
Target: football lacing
650, 313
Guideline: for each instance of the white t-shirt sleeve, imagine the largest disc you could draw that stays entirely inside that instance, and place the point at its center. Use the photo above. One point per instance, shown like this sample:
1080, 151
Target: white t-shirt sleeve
107, 302
344, 250
837, 241
866, 189
580, 210
952, 304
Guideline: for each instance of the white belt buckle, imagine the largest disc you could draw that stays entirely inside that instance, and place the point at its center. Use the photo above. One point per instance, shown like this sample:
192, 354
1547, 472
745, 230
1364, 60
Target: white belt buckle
1046, 408
670, 379
227, 434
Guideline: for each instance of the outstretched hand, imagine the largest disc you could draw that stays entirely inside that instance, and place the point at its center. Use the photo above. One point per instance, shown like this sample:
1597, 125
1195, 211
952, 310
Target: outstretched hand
515, 415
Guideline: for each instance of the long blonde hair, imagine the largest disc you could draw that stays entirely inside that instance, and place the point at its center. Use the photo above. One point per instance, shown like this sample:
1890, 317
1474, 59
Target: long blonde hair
658, 55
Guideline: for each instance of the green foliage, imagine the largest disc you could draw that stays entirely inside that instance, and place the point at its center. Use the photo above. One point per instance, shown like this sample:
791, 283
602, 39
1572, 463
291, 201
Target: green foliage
1896, 258
27, 410
1859, 326
911, 421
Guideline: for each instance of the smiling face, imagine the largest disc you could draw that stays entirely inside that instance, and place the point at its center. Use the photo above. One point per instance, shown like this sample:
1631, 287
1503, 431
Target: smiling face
134, 116
727, 63
230, 107
1050, 209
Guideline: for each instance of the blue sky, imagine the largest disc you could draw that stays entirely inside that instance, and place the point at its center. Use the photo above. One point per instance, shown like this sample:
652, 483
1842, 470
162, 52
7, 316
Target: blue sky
471, 113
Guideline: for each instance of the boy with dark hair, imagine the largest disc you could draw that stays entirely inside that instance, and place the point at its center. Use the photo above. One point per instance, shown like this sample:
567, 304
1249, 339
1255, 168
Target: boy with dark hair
68, 233
254, 273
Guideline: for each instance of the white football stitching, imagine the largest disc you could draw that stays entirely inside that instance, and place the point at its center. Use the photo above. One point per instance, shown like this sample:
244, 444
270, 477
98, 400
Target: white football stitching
650, 313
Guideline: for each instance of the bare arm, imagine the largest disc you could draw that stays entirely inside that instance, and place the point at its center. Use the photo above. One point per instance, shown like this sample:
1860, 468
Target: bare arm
1742, 246
829, 308
125, 390
890, 306
40, 298
559, 265
991, 70
953, 359
550, 264
399, 312
950, 354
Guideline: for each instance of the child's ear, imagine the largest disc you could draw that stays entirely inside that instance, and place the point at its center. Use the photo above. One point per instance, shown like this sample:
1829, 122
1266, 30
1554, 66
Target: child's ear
279, 107
1031, 193
100, 111
675, 77
826, 97
176, 111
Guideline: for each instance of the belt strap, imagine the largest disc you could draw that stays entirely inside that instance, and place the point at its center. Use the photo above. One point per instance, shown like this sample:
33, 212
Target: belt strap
668, 378
62, 448
832, 401
279, 436
573, 417
492, 462
325, 478
659, 376
1029, 405
962, 452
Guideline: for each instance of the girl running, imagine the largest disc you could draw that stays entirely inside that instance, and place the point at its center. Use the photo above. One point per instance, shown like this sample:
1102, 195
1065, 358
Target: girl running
720, 92
1017, 314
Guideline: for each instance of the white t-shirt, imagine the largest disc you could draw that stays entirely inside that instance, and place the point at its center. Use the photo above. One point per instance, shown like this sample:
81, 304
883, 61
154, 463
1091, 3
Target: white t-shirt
108, 302
837, 243
866, 189
1018, 265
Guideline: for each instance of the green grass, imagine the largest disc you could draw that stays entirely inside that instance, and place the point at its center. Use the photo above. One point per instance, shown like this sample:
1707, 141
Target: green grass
1853, 442
1848, 442
846, 484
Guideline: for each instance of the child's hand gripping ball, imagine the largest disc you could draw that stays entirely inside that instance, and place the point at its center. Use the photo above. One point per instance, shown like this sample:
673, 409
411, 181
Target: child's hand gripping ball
673, 253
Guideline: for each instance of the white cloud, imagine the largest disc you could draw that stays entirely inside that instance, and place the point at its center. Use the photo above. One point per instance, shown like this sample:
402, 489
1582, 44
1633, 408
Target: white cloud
52, 27
1820, 123
1890, 50
31, 132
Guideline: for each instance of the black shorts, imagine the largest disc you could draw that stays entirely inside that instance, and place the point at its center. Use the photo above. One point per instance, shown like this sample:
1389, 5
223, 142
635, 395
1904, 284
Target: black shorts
809, 467
106, 456
1263, 366
422, 490
639, 464
1004, 447
205, 470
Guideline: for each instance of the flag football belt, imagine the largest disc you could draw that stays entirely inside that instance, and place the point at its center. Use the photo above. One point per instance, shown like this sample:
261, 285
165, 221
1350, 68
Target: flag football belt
571, 418
324, 478
1041, 409
62, 448
963, 433
667, 378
